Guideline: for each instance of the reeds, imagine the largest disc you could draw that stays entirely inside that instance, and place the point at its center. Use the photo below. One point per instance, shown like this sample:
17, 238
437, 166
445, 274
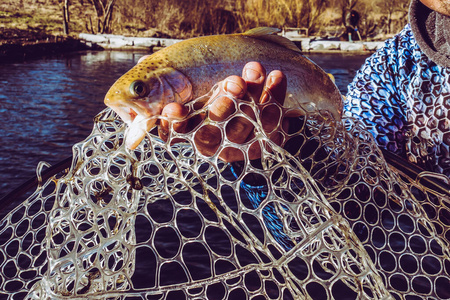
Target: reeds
199, 17
184, 19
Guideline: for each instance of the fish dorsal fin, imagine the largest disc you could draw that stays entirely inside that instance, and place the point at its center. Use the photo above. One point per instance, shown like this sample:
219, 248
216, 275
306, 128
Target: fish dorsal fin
270, 34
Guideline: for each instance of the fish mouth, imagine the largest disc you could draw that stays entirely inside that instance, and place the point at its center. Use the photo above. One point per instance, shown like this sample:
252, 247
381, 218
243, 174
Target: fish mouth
139, 122
133, 114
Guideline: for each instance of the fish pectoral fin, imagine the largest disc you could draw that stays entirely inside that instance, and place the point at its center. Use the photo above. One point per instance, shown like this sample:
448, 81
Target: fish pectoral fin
178, 84
270, 34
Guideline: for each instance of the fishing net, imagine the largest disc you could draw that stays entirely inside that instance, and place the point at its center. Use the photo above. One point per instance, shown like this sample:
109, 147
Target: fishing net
320, 217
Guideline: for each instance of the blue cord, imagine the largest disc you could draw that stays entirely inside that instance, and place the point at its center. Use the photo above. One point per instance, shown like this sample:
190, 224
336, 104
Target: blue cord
256, 194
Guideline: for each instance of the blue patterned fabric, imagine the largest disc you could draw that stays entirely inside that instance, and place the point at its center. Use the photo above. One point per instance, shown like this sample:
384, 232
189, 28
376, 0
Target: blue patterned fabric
404, 99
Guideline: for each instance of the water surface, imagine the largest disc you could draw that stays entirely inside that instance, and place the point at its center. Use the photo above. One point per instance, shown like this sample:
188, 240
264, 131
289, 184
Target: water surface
47, 105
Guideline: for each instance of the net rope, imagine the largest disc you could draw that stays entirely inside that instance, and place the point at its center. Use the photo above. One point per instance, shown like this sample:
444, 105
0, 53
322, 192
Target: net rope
321, 216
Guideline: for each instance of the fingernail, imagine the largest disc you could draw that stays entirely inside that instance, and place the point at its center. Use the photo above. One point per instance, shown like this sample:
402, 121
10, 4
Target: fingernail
234, 88
252, 75
274, 80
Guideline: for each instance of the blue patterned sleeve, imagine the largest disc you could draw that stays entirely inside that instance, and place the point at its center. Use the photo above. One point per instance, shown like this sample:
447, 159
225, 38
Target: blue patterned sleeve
374, 96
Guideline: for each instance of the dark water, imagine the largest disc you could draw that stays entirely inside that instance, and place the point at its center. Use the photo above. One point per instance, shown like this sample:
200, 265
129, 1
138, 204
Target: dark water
47, 105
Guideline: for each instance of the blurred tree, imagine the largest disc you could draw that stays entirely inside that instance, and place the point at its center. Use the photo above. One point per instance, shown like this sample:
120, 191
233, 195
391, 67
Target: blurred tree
344, 7
389, 8
310, 13
212, 17
103, 10
282, 13
66, 17
366, 25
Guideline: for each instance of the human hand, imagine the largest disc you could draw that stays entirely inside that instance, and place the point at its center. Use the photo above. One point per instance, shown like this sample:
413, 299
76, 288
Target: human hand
254, 84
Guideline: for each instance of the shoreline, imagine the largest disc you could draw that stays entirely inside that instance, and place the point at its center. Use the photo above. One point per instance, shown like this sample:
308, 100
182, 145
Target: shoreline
13, 51
16, 51
306, 45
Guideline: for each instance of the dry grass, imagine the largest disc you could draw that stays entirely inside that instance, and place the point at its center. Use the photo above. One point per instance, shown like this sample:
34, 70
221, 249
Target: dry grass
32, 19
200, 17
41, 16
182, 19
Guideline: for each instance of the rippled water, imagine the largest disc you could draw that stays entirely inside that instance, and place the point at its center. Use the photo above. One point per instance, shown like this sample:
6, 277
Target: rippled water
47, 105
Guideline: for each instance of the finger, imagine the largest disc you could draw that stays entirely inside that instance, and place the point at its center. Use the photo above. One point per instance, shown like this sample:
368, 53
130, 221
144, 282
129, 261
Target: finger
238, 128
208, 139
275, 88
222, 106
172, 111
254, 151
274, 91
230, 154
254, 75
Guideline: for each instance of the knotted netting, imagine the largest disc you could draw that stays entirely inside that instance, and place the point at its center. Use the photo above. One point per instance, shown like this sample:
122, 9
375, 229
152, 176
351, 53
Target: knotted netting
321, 216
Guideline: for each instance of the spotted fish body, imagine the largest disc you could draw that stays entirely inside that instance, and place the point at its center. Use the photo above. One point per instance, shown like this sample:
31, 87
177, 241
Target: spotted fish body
189, 69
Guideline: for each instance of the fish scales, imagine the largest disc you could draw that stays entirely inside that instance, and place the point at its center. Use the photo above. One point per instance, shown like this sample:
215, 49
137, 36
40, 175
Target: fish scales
216, 57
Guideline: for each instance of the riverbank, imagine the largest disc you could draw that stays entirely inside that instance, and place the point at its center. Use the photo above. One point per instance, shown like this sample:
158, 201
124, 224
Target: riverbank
19, 50
120, 42
306, 44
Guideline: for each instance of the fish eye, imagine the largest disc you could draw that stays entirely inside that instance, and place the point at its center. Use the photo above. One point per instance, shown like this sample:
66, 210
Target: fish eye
138, 88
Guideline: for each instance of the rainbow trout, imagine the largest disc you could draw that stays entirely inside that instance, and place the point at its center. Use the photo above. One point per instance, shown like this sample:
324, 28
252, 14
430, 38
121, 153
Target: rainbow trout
189, 69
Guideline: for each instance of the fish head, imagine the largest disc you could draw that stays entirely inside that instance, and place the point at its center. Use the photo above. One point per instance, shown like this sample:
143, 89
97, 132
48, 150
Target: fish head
139, 96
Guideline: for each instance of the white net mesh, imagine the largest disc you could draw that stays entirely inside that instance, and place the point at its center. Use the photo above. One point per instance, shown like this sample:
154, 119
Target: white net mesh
324, 219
